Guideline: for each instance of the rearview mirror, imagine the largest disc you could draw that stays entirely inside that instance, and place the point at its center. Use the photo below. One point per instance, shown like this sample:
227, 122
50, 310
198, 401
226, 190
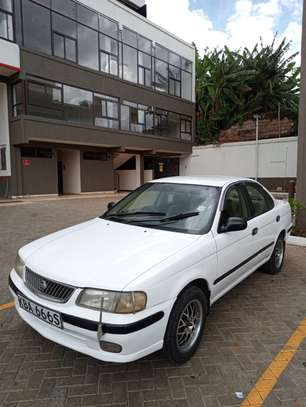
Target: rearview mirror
233, 225
110, 205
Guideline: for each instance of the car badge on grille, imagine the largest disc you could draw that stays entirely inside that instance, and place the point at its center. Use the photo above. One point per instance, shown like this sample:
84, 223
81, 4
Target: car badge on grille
42, 285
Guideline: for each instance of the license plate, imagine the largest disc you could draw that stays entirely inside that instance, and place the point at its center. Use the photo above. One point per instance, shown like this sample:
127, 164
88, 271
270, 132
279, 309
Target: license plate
44, 314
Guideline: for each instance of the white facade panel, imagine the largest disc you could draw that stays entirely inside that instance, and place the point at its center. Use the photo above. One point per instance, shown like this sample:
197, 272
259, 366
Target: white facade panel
9, 55
4, 131
277, 159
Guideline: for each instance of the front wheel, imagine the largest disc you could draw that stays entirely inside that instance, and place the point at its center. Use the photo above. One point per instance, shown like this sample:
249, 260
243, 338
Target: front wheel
275, 264
185, 325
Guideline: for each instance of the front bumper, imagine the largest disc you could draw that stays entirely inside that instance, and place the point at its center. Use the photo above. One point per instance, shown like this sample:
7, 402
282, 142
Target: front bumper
137, 337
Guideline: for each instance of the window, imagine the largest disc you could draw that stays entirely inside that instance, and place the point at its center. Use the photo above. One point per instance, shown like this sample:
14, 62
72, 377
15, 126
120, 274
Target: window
3, 166
87, 17
161, 76
161, 53
133, 117
67, 7
36, 27
129, 61
144, 69
161, 122
17, 99
78, 105
106, 111
96, 156
260, 199
174, 81
186, 129
32, 152
173, 125
6, 20
45, 99
186, 85
64, 37
234, 204
108, 27
109, 55
88, 47
129, 37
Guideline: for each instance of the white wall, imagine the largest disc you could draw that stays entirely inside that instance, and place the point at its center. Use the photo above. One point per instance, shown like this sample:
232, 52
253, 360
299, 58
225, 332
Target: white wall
71, 170
127, 180
4, 129
9, 54
277, 159
148, 175
145, 27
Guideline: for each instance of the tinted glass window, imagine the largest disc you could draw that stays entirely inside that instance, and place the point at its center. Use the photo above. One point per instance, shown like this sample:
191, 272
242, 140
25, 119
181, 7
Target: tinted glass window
186, 85
161, 75
144, 44
66, 7
59, 45
36, 27
87, 17
64, 25
108, 27
6, 26
88, 47
78, 105
129, 63
6, 5
129, 37
261, 201
234, 204
162, 53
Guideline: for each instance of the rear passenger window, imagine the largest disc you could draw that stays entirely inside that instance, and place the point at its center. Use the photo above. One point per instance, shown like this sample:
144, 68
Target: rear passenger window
260, 199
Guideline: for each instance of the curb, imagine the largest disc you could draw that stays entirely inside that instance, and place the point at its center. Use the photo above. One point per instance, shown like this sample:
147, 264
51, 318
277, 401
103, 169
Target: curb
297, 241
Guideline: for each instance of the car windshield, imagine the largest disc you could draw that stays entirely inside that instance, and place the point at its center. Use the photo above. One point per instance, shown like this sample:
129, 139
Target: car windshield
176, 207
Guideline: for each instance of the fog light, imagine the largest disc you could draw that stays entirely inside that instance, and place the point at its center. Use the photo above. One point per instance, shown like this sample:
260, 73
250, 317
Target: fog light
110, 347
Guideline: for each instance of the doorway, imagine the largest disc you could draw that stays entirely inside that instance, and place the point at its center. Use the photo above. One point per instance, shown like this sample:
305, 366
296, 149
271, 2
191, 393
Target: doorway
69, 172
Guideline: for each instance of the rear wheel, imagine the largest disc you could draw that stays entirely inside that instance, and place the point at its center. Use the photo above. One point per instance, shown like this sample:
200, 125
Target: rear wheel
185, 325
275, 264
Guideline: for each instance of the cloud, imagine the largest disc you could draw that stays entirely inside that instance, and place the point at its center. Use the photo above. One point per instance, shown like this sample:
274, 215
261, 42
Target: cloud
244, 27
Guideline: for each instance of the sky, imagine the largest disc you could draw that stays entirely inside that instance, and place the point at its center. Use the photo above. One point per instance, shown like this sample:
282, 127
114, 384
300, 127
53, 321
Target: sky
236, 23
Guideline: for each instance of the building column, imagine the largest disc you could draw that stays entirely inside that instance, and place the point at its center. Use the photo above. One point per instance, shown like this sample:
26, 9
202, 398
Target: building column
301, 165
139, 170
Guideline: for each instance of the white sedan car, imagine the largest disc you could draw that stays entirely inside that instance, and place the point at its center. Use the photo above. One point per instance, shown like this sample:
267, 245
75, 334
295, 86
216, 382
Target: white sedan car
143, 276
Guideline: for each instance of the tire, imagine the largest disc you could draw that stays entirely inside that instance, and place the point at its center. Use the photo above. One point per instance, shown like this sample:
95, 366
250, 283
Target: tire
182, 325
275, 264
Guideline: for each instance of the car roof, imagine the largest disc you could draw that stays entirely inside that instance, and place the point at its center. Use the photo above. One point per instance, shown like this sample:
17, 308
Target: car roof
216, 181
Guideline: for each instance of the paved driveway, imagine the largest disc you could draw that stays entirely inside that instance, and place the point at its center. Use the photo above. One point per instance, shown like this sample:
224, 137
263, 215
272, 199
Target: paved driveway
245, 331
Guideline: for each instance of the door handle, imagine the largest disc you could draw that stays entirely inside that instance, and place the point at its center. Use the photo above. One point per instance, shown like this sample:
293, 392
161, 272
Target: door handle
254, 231
277, 218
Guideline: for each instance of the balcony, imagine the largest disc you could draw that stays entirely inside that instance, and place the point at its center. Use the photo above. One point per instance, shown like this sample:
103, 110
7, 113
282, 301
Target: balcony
9, 58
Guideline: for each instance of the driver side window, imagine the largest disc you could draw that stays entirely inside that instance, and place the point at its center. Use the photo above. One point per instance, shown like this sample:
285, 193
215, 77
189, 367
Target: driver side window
234, 204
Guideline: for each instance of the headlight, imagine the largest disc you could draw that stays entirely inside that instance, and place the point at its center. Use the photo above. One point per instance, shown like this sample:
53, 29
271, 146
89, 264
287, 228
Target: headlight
113, 301
19, 266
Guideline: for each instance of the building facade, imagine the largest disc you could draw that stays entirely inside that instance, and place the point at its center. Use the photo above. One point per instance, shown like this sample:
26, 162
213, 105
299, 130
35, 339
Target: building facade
93, 97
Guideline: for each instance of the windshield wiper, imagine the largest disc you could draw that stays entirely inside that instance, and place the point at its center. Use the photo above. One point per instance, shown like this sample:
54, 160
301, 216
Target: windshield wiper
169, 219
124, 214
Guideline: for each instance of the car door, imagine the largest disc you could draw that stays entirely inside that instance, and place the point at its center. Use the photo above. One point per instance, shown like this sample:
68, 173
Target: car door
263, 220
234, 249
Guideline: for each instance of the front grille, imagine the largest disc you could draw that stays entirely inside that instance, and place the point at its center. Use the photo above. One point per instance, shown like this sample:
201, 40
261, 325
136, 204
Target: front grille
46, 288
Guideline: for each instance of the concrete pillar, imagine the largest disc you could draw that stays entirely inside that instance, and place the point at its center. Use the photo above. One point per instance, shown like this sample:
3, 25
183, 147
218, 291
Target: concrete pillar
139, 170
301, 165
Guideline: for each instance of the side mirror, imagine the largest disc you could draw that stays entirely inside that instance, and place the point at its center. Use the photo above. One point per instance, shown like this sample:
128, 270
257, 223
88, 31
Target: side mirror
110, 205
233, 225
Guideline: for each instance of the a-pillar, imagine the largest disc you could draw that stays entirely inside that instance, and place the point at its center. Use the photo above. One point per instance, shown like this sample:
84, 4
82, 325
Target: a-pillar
139, 170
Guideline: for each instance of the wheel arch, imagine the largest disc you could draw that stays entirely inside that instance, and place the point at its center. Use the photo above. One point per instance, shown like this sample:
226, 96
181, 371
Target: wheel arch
203, 285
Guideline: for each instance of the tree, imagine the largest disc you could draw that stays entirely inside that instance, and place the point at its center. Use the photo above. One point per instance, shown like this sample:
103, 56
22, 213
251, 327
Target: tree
232, 86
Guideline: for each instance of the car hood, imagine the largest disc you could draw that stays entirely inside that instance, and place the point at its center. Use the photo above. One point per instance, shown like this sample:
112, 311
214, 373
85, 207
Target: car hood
102, 254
